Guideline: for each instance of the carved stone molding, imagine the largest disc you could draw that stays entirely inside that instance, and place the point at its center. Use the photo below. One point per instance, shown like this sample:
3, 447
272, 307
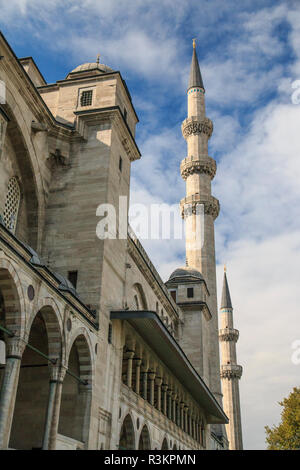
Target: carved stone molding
228, 334
205, 165
189, 204
192, 126
231, 371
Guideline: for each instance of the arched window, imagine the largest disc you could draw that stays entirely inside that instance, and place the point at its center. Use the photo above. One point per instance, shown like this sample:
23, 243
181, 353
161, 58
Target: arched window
12, 204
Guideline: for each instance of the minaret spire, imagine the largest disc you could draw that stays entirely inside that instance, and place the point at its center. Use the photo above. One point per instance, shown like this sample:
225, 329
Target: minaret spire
199, 210
195, 74
231, 372
226, 300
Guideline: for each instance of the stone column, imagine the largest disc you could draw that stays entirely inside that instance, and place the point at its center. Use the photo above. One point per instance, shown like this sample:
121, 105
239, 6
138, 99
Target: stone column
186, 408
174, 396
181, 415
144, 378
177, 413
193, 428
14, 351
151, 375
169, 393
164, 394
138, 363
130, 355
189, 424
57, 375
158, 382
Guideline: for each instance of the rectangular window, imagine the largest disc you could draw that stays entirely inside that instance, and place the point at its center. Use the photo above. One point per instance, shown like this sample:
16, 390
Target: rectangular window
190, 292
173, 294
86, 98
72, 276
120, 163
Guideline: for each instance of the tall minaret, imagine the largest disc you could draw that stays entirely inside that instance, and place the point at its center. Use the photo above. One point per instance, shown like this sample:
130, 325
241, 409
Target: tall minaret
230, 371
199, 208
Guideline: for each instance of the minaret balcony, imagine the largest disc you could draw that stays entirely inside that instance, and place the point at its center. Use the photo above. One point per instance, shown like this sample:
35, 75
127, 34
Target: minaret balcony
201, 165
228, 334
195, 125
189, 204
231, 371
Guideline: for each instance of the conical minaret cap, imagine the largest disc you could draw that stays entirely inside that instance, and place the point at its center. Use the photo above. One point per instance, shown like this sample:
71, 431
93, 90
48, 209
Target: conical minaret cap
226, 300
195, 74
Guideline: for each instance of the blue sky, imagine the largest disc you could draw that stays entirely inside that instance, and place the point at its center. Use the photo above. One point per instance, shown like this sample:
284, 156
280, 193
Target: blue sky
249, 54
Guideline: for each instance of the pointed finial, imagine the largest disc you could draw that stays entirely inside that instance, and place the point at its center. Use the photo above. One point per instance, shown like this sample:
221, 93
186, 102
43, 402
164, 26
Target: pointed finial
194, 43
98, 59
225, 268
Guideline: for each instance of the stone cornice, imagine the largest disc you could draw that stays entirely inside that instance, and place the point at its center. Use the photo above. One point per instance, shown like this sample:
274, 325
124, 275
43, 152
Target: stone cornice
15, 72
194, 126
189, 204
115, 116
231, 371
202, 165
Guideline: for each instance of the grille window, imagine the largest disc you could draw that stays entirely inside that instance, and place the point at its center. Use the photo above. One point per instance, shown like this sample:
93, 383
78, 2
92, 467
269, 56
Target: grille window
12, 204
86, 98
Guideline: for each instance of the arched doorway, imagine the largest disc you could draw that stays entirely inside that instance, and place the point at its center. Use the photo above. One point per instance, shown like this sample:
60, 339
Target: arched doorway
144, 441
12, 318
164, 445
33, 388
127, 440
174, 447
75, 405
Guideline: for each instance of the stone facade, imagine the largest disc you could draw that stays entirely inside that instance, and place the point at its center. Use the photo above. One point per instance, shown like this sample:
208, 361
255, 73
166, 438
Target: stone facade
100, 354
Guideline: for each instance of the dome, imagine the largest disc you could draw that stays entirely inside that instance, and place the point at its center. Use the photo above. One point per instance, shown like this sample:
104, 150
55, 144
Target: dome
91, 66
186, 273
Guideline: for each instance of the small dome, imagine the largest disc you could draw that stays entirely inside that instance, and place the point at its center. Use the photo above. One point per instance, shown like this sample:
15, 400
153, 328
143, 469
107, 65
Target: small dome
186, 273
91, 66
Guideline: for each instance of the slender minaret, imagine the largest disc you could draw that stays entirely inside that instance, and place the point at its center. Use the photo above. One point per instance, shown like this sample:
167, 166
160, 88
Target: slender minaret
199, 208
230, 371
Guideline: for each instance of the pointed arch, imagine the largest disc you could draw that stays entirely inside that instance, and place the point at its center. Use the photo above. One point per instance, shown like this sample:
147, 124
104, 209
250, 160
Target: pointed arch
144, 440
127, 434
13, 311
164, 445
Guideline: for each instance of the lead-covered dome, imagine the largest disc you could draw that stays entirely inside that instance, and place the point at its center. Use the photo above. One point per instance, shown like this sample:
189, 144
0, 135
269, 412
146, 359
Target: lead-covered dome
186, 272
91, 66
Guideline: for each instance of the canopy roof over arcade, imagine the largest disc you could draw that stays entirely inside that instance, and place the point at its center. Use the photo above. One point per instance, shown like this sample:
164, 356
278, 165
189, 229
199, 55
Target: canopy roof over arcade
154, 332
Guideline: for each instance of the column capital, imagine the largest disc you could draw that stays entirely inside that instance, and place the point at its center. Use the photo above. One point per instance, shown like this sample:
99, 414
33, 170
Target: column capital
15, 347
158, 381
57, 372
129, 354
164, 387
151, 375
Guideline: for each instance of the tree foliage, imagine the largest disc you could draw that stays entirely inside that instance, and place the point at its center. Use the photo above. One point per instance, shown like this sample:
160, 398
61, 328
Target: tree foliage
286, 436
